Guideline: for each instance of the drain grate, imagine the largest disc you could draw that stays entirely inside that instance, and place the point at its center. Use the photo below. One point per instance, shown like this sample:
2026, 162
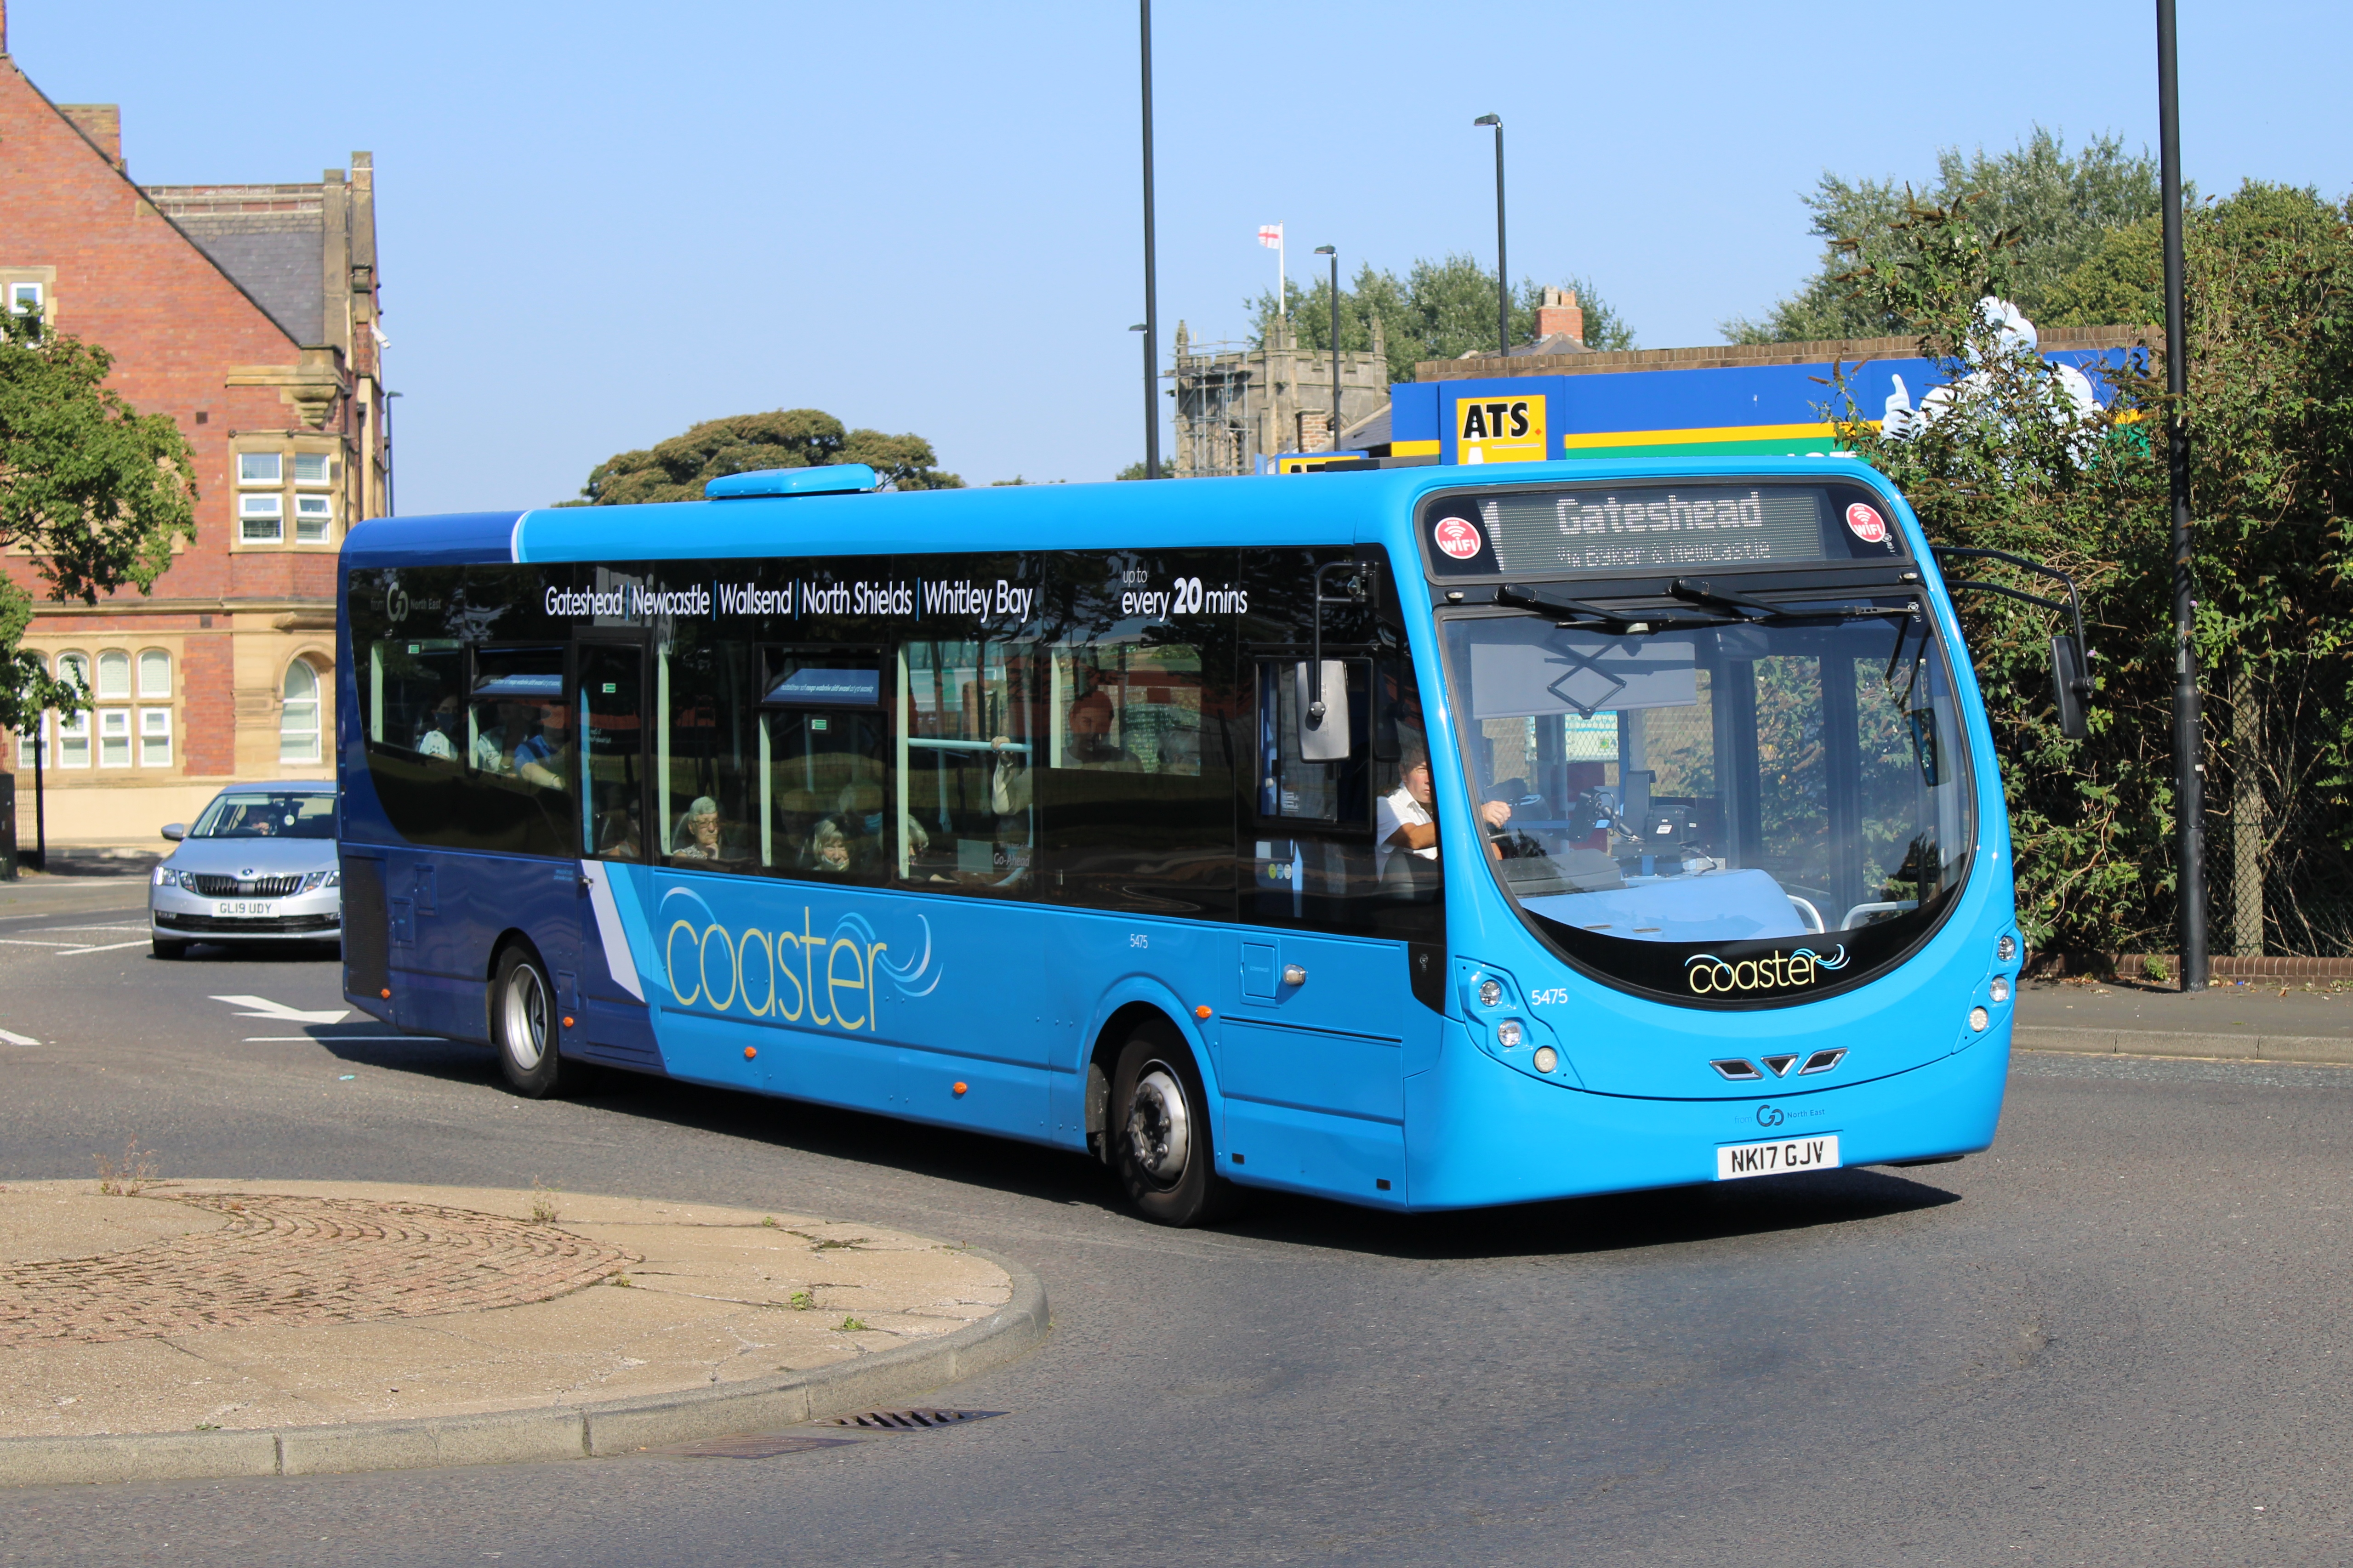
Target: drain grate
754, 1445
911, 1420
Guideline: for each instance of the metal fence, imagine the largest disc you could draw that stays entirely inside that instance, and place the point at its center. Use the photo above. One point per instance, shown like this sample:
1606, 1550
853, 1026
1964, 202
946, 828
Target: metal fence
2279, 805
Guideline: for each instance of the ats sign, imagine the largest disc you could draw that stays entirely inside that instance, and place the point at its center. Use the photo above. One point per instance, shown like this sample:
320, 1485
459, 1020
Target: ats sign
1499, 429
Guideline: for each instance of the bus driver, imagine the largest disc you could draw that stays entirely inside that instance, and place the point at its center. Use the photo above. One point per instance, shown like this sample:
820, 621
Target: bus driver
1404, 818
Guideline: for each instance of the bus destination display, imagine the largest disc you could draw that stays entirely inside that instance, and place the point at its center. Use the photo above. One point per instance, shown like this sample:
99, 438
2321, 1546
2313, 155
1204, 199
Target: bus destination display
1547, 532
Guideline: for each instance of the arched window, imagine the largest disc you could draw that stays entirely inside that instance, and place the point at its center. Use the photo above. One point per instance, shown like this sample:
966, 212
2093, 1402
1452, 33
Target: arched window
113, 676
298, 718
154, 674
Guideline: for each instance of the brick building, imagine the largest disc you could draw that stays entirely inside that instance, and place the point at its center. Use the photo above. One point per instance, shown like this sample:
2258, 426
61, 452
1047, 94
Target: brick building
249, 314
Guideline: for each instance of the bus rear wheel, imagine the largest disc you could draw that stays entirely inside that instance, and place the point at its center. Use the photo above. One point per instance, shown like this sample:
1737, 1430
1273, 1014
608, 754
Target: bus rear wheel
1160, 1133
523, 1023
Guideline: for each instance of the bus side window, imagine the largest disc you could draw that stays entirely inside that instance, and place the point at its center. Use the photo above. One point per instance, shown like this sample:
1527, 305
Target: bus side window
706, 816
1135, 792
825, 781
970, 735
612, 752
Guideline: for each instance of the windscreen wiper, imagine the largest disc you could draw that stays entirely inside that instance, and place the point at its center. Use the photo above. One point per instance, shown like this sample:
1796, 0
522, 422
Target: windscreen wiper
1702, 592
1576, 615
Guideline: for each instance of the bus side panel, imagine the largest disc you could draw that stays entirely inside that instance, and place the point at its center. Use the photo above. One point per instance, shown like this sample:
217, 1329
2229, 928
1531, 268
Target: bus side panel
852, 996
449, 911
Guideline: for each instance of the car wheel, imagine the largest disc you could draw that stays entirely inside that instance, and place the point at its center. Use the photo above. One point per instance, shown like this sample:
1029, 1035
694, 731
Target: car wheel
166, 948
523, 1023
1161, 1132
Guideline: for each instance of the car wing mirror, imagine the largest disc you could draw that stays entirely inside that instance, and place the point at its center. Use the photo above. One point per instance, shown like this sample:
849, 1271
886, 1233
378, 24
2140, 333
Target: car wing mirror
175, 831
1322, 704
2071, 686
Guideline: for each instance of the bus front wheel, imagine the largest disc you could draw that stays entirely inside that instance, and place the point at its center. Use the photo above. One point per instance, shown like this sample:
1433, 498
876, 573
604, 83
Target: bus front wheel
1161, 1133
523, 1023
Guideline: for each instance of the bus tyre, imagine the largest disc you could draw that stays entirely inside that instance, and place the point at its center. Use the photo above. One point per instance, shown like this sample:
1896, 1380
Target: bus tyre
523, 1023
1160, 1133
167, 948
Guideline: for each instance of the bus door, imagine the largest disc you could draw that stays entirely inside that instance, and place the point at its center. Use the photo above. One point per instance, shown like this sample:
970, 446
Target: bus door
1320, 1014
601, 988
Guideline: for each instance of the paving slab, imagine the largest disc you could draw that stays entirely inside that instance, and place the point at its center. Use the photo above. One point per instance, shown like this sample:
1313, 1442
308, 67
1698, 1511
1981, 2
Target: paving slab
360, 1324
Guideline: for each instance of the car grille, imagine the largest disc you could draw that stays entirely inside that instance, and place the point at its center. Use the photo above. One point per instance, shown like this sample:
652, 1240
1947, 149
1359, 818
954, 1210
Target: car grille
170, 921
230, 887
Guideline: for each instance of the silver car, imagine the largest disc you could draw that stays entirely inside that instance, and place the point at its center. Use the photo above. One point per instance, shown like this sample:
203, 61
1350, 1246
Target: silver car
258, 866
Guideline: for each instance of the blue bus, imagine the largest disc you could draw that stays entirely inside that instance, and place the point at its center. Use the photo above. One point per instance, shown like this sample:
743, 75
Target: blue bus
1423, 839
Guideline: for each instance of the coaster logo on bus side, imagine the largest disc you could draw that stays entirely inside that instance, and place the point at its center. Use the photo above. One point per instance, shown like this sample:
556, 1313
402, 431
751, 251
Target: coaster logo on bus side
831, 979
1456, 538
1712, 976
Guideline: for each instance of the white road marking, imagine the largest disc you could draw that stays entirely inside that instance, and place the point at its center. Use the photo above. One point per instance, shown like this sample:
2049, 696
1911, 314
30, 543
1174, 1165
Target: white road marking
110, 947
15, 1039
27, 942
256, 1039
280, 1013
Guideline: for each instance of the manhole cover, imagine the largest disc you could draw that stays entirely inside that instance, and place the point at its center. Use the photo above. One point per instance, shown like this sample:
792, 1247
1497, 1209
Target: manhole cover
754, 1445
911, 1420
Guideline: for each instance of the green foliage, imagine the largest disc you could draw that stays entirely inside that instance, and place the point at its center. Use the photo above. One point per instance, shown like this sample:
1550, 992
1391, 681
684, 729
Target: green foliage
1134, 471
678, 469
2270, 407
94, 491
2055, 209
1440, 309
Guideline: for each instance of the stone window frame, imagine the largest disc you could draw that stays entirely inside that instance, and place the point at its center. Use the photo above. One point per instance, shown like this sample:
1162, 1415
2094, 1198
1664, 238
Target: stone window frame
302, 523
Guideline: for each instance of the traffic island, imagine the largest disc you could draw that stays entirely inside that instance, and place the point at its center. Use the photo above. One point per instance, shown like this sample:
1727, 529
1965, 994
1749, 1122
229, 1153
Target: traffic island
203, 1329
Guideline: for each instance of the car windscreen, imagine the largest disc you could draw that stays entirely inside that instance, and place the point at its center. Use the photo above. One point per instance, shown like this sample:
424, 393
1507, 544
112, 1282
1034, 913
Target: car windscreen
1718, 808
288, 814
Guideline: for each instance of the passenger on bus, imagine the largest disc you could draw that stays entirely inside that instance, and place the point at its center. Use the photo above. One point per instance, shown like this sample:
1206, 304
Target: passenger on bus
697, 834
439, 737
1406, 821
1091, 746
540, 760
829, 847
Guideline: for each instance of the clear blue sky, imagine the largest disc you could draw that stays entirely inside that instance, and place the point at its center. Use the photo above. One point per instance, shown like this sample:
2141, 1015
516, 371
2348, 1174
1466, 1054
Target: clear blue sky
601, 223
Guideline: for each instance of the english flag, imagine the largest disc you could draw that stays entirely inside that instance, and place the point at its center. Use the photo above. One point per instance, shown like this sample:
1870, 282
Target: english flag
1271, 235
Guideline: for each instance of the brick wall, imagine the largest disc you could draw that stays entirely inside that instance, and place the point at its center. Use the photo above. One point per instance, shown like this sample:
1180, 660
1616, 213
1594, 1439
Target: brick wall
208, 706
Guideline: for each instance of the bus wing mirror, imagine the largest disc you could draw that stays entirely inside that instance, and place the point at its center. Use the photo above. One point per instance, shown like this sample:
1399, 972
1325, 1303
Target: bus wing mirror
2071, 686
1322, 704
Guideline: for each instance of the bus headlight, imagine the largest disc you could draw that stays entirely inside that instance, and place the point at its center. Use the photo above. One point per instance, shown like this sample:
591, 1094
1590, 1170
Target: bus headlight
1490, 994
1547, 1059
2006, 949
1508, 1034
1979, 1019
1999, 989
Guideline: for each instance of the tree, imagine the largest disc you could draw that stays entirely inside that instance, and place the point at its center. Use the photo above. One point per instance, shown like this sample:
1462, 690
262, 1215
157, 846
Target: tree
1442, 310
678, 469
2270, 406
94, 492
2054, 209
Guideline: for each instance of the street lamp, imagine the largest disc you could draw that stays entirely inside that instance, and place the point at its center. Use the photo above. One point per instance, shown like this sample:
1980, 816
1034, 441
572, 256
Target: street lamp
1503, 272
1333, 252
2189, 738
1151, 327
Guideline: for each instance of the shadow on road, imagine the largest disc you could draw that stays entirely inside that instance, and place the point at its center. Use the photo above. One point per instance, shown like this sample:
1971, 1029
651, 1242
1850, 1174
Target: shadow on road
1613, 1223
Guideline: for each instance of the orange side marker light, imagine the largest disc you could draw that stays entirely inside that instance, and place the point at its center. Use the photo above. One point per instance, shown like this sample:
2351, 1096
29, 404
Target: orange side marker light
385, 992
960, 1087
1200, 1012
751, 1051
568, 1023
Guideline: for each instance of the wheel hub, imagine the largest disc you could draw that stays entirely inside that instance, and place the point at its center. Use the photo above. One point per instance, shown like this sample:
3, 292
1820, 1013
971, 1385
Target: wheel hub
1159, 1130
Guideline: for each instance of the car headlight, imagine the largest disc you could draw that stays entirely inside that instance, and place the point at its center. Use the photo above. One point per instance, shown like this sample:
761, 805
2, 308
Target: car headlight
167, 878
316, 880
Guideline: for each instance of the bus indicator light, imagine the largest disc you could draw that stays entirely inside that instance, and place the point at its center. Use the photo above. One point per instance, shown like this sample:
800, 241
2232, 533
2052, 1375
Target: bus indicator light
1547, 1059
1200, 1012
751, 1051
960, 1087
1979, 1019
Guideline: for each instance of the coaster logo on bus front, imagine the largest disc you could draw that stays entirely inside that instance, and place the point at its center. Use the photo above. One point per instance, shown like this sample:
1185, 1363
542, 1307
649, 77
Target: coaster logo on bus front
1712, 976
831, 979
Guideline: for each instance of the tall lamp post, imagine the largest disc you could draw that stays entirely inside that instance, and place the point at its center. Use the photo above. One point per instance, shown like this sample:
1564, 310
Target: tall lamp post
1333, 252
1503, 269
2188, 739
1151, 289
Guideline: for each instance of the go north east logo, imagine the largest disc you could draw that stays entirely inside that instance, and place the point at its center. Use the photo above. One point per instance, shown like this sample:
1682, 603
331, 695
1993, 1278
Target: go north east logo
1712, 976
831, 979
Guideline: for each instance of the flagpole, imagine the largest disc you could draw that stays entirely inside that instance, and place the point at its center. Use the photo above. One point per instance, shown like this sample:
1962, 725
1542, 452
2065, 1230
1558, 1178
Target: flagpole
1281, 274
